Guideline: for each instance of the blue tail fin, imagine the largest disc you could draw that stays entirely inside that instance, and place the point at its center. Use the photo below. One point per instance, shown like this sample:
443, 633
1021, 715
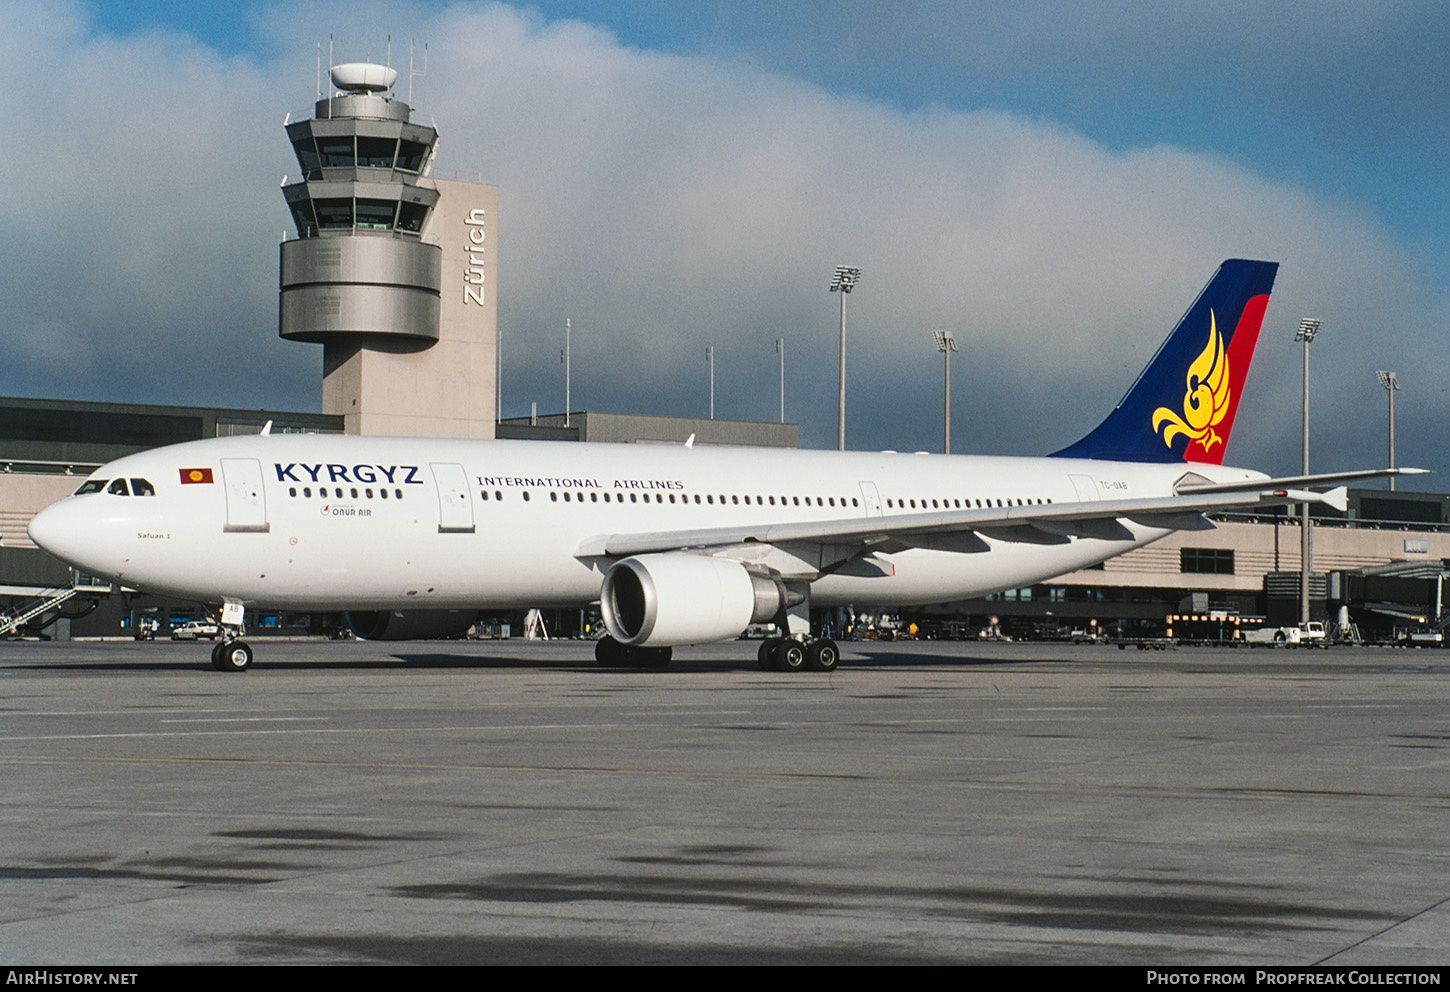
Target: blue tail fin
1182, 406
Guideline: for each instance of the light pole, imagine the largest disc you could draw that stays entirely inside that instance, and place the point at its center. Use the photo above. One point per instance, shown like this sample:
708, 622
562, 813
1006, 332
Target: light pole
710, 358
566, 356
946, 343
1308, 327
780, 350
1391, 383
845, 280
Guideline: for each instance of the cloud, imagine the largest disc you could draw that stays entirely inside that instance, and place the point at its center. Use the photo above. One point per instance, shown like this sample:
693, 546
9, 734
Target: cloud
668, 202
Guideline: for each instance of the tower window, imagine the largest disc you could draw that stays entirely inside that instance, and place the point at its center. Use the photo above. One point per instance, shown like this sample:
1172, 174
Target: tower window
376, 215
375, 153
333, 214
337, 153
410, 156
411, 217
307, 156
302, 217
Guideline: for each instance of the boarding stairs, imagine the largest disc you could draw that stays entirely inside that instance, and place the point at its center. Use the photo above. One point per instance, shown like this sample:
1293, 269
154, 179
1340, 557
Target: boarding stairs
10, 623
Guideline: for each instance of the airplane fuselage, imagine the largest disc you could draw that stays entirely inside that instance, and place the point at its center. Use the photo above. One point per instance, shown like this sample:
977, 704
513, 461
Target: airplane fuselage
323, 522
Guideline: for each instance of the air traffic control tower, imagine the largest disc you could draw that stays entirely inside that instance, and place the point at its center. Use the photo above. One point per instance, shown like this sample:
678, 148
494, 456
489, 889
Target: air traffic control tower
393, 272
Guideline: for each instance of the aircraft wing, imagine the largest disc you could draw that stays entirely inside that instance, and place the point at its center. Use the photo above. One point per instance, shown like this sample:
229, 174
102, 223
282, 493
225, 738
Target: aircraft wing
824, 545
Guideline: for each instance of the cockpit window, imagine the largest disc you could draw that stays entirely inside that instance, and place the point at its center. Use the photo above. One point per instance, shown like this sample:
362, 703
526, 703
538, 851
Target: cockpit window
91, 486
141, 487
118, 488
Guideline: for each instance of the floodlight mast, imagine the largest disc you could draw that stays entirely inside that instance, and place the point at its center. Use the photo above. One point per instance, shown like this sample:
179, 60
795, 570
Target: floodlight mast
946, 343
1391, 382
780, 350
844, 280
566, 357
1308, 328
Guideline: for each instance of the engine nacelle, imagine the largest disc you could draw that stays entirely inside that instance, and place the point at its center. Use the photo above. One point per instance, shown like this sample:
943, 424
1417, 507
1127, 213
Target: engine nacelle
410, 625
678, 598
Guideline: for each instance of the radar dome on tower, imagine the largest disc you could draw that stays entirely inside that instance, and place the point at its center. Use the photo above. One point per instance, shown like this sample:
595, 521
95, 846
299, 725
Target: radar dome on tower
363, 77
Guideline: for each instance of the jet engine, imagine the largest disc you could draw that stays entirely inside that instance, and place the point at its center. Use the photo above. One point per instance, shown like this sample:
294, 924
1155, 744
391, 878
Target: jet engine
410, 625
662, 600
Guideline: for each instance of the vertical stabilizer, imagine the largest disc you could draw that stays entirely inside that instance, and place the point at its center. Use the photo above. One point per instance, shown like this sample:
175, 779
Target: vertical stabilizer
1182, 406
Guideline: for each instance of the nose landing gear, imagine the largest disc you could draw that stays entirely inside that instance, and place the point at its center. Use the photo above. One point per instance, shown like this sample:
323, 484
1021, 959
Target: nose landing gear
231, 656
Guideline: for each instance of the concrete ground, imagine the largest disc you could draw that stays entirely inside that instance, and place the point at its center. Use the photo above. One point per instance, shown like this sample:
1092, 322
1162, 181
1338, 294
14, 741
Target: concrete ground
512, 803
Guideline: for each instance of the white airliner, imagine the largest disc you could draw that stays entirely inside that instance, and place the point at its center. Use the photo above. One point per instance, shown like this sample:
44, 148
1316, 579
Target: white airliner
677, 544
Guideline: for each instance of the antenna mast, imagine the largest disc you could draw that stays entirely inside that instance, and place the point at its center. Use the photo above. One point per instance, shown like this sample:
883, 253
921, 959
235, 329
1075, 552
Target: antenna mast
415, 72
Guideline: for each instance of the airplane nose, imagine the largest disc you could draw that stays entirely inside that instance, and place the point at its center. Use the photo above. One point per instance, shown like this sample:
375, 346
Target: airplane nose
53, 530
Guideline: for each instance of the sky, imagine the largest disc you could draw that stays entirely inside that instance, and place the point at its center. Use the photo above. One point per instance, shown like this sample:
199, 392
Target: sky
1051, 181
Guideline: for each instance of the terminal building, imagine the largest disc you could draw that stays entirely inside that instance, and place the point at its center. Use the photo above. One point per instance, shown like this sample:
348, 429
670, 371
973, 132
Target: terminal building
394, 273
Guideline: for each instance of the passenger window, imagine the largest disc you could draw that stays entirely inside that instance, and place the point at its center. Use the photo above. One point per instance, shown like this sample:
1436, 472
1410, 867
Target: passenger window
118, 488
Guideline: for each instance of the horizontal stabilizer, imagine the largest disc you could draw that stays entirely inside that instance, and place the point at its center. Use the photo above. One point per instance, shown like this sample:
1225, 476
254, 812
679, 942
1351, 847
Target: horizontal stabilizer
1295, 481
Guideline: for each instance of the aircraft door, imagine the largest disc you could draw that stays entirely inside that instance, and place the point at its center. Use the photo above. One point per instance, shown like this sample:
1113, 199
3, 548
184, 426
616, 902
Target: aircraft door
871, 499
1087, 490
246, 502
455, 502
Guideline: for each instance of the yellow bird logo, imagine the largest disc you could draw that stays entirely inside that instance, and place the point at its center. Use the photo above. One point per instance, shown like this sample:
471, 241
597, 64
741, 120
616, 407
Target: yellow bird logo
1206, 401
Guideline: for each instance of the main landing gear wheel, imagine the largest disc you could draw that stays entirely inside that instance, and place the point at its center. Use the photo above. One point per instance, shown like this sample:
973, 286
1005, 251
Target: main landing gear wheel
780, 654
767, 652
822, 655
789, 656
235, 656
